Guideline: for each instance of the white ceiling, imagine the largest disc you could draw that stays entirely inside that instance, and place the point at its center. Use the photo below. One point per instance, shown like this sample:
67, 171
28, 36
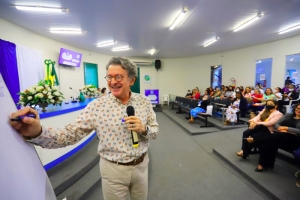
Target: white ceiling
144, 24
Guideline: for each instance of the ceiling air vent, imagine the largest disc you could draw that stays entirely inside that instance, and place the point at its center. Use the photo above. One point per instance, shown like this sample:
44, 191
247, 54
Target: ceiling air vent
142, 62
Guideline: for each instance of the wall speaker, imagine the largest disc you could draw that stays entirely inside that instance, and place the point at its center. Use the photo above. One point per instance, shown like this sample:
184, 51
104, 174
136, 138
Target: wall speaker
157, 64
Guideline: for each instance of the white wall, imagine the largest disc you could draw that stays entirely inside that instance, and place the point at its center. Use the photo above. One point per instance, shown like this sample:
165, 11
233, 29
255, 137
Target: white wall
177, 74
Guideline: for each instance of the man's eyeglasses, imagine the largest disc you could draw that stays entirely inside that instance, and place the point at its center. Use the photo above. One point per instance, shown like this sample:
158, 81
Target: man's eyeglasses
117, 78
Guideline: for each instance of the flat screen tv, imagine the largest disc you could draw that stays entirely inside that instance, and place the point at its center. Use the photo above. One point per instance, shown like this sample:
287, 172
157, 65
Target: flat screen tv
69, 58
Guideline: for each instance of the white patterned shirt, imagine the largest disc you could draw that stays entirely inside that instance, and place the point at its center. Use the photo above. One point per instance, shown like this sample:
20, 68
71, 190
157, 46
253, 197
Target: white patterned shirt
104, 115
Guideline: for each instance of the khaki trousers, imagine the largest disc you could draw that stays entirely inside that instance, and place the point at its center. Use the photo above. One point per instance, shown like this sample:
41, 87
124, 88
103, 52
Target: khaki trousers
118, 180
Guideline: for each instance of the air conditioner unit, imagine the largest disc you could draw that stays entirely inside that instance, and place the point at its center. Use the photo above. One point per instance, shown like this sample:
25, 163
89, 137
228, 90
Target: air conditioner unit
142, 62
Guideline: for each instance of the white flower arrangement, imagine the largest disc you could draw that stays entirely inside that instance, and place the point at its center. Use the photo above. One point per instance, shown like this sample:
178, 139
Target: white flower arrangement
89, 90
40, 94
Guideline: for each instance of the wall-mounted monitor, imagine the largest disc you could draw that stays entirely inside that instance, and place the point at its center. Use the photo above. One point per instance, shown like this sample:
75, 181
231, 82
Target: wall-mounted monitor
69, 58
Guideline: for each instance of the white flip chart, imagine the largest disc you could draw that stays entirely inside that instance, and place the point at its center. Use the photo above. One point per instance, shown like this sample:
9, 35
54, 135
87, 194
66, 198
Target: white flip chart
22, 175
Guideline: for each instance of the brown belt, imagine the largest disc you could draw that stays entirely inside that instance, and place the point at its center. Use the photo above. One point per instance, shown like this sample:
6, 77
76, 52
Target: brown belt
134, 162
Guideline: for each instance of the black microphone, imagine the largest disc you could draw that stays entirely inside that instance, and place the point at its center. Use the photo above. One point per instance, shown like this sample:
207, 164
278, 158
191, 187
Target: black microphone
74, 90
73, 98
134, 135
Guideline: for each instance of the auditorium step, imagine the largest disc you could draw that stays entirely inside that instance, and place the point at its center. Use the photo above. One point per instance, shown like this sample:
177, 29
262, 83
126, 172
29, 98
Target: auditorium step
79, 189
277, 183
95, 193
74, 168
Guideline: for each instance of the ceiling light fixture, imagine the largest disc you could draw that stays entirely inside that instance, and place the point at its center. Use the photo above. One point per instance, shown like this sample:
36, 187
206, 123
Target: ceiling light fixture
211, 41
289, 29
178, 19
247, 23
66, 31
107, 43
41, 9
125, 48
152, 51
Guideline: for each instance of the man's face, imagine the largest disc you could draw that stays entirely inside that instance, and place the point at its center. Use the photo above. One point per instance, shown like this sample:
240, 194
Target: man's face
120, 89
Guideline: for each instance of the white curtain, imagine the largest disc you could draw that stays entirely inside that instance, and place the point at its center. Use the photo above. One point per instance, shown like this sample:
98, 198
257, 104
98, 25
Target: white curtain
30, 66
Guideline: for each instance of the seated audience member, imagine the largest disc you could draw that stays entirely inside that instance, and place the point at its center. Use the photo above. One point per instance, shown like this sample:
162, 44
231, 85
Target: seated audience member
266, 96
239, 104
103, 91
256, 104
258, 85
212, 92
288, 81
222, 88
237, 89
286, 135
286, 97
192, 94
98, 92
228, 92
201, 108
262, 125
278, 93
217, 93
247, 93
197, 94
241, 89
285, 89
188, 94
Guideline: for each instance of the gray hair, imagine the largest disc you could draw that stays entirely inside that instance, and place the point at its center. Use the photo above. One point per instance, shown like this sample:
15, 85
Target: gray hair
125, 63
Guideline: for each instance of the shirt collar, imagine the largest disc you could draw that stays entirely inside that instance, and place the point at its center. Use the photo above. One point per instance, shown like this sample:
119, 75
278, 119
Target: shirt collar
132, 97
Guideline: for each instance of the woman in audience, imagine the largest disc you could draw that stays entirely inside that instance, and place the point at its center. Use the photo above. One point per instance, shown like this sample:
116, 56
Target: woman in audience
201, 108
285, 89
217, 93
239, 104
256, 106
228, 92
212, 92
287, 97
191, 95
247, 93
241, 89
286, 136
262, 125
278, 93
267, 95
222, 88
103, 91
197, 94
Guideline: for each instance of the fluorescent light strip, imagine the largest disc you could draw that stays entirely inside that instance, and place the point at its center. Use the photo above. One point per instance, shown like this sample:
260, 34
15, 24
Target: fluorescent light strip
289, 29
67, 31
41, 9
152, 51
210, 42
104, 44
121, 48
248, 22
178, 19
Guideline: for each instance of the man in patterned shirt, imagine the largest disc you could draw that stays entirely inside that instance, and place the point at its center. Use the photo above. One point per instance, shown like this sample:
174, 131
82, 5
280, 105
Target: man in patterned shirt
123, 167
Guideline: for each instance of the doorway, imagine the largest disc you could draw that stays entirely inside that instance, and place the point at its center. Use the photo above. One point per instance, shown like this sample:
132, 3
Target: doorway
263, 72
90, 74
216, 76
136, 86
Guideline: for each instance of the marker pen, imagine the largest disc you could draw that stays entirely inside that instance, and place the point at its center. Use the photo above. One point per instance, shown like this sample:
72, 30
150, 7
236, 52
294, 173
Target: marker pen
19, 118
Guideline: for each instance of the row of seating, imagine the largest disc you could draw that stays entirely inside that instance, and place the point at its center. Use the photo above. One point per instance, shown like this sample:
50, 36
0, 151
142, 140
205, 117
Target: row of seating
216, 106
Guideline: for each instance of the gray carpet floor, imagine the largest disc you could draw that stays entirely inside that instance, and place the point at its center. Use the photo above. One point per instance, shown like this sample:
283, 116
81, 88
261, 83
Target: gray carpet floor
182, 168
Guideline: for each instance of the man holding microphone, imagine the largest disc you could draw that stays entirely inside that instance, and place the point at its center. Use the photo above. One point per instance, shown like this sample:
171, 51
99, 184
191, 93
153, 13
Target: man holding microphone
123, 166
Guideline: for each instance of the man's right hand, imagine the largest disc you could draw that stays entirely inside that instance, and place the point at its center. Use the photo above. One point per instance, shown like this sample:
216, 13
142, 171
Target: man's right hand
28, 127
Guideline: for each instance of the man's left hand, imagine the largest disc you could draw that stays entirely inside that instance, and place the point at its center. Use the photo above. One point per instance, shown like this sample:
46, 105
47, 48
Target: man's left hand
135, 124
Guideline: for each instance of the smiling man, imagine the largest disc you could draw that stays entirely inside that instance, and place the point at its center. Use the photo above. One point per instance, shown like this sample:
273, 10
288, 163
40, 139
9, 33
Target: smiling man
123, 167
